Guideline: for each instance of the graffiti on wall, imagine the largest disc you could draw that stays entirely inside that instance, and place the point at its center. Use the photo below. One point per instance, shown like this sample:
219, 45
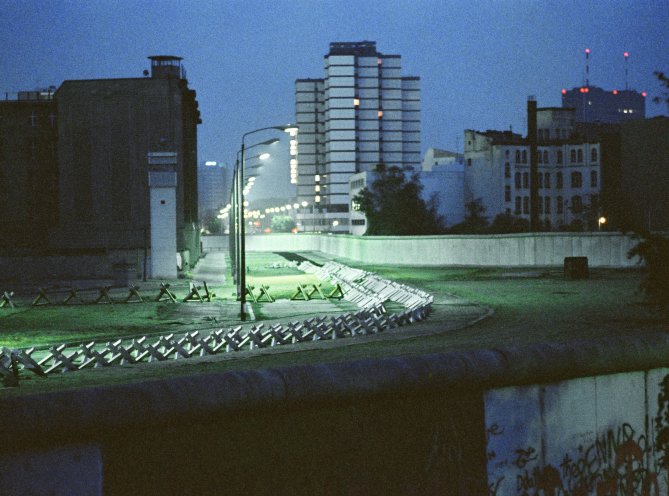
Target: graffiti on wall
620, 462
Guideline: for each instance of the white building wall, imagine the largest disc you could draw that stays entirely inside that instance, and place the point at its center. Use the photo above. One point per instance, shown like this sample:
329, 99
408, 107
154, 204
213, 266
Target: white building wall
162, 187
499, 174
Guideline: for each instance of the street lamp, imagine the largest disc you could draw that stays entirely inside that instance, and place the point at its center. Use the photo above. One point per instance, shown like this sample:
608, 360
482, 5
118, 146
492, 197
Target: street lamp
292, 130
238, 193
600, 221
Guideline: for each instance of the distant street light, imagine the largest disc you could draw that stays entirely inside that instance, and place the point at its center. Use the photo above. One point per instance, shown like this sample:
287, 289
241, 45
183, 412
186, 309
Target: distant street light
292, 130
600, 221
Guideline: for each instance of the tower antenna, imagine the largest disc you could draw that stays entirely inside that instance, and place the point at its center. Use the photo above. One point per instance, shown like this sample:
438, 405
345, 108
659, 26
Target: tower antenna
626, 55
587, 67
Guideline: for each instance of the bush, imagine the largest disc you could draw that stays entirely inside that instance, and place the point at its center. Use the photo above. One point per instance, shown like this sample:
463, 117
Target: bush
653, 250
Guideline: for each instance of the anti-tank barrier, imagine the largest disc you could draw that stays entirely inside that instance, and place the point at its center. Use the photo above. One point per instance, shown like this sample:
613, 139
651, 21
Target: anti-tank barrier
367, 290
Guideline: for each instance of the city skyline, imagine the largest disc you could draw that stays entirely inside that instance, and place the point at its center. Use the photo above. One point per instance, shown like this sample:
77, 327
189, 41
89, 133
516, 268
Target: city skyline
477, 61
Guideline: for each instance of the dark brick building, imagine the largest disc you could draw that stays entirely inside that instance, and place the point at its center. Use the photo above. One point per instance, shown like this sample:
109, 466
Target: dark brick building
92, 139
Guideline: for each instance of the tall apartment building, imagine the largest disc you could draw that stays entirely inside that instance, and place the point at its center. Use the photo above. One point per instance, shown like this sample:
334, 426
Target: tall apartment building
497, 172
362, 113
213, 190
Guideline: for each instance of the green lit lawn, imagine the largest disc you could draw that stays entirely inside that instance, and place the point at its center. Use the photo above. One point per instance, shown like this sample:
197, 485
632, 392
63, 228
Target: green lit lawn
28, 326
530, 306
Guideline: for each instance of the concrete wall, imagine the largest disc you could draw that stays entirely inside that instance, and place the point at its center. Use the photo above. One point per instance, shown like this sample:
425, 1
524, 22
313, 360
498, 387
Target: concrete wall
592, 435
509, 250
535, 420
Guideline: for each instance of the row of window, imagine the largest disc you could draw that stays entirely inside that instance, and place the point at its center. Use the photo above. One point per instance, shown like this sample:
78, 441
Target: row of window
523, 204
575, 156
522, 180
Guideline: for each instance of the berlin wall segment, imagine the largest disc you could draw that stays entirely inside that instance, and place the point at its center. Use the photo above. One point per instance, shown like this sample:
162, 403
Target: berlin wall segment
588, 436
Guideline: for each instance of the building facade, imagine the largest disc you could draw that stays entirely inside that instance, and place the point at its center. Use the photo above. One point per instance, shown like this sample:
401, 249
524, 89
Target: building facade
497, 172
362, 113
213, 189
595, 104
96, 137
28, 170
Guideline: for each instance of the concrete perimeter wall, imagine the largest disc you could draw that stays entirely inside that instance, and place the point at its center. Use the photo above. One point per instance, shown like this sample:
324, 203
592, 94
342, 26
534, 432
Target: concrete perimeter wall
504, 250
564, 418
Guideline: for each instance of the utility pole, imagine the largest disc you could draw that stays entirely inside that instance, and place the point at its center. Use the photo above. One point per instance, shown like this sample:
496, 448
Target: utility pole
534, 166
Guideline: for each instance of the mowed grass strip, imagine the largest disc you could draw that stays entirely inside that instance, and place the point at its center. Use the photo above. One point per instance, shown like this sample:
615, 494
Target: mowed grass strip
28, 326
531, 305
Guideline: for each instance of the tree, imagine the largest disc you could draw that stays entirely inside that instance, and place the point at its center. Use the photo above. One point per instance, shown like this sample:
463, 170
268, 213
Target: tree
475, 222
653, 250
664, 81
214, 225
393, 205
282, 223
508, 223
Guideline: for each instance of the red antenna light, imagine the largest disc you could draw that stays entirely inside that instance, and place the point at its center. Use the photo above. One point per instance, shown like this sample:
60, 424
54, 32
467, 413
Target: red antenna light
626, 54
564, 92
586, 90
615, 92
587, 50
644, 94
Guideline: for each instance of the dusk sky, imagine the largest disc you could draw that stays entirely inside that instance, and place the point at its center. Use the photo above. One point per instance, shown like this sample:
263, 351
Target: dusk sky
477, 60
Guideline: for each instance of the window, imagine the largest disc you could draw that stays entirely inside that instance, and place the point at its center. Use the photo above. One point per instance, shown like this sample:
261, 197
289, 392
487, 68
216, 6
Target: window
580, 156
572, 156
576, 180
559, 157
469, 162
540, 180
593, 179
547, 205
526, 204
518, 181
358, 222
506, 153
517, 211
539, 157
524, 156
507, 193
33, 119
507, 169
576, 204
526, 179
593, 155
559, 204
545, 156
547, 180
558, 180
517, 156
541, 205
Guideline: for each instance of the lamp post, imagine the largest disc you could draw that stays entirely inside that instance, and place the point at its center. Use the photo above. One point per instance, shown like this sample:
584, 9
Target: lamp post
238, 211
600, 221
242, 242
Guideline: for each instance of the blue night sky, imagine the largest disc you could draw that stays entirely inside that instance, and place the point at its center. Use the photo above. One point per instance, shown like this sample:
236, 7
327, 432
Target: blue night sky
478, 60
